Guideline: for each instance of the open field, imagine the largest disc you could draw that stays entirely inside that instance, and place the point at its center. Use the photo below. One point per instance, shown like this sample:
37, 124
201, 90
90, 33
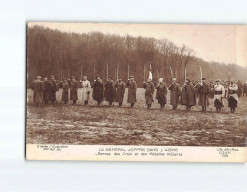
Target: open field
69, 124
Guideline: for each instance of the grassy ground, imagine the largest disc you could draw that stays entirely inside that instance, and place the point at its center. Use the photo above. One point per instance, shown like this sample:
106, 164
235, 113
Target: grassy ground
69, 124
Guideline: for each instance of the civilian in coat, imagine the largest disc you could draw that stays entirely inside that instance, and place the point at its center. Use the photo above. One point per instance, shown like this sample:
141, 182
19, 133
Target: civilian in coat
149, 91
175, 93
98, 90
54, 89
46, 90
73, 90
119, 92
188, 96
65, 93
161, 93
86, 89
37, 91
203, 91
132, 88
109, 91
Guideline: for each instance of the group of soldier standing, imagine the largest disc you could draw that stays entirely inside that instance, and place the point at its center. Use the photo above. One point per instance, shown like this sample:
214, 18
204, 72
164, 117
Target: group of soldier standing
45, 92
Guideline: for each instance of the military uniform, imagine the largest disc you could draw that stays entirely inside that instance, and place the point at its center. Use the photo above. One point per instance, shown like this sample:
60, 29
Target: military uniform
119, 93
109, 92
65, 93
73, 91
232, 96
149, 91
161, 94
219, 90
188, 96
54, 89
132, 88
98, 91
175, 94
37, 92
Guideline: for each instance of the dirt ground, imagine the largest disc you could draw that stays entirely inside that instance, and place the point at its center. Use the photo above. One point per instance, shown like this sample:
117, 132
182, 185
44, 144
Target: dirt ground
77, 124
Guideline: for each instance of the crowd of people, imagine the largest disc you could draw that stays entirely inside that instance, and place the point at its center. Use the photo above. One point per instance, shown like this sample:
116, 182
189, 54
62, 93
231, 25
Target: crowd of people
113, 92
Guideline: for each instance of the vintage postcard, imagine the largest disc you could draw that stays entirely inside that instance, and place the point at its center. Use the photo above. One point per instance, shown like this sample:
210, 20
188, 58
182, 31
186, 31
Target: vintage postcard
136, 92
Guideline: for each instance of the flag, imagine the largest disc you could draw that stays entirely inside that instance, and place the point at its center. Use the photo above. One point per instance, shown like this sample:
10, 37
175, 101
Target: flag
150, 75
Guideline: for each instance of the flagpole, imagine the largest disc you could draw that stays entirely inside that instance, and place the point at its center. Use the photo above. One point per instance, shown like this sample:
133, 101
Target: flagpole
144, 71
128, 71
106, 71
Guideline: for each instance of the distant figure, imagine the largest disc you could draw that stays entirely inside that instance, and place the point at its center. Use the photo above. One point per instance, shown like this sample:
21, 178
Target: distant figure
175, 93
73, 90
203, 91
98, 90
149, 91
188, 96
37, 91
54, 89
132, 88
232, 96
86, 89
245, 89
219, 90
161, 93
119, 93
46, 90
65, 93
109, 91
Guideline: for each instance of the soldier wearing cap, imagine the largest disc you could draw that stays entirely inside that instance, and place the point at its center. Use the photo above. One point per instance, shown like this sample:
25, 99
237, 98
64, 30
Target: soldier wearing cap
161, 93
132, 88
149, 91
119, 93
109, 91
232, 96
37, 91
219, 91
188, 96
175, 93
54, 89
46, 90
65, 92
86, 90
98, 90
73, 90
203, 91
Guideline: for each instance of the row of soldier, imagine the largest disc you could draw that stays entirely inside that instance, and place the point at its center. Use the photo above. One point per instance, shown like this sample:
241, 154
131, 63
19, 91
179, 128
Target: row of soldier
45, 91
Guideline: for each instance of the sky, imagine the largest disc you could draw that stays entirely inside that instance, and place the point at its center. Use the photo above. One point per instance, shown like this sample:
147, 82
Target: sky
219, 43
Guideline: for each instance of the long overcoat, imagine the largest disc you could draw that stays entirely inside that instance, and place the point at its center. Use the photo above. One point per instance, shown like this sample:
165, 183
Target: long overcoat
86, 89
46, 91
119, 92
65, 93
175, 93
161, 93
53, 90
109, 91
73, 90
188, 96
132, 88
149, 91
203, 91
98, 90
37, 91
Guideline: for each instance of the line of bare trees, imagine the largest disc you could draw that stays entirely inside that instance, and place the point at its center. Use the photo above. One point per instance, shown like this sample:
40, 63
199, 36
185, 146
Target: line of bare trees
52, 52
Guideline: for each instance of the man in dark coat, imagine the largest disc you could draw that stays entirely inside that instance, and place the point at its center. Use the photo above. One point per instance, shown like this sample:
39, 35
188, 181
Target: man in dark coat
73, 90
245, 89
132, 88
109, 91
149, 91
98, 90
46, 90
53, 89
175, 93
203, 91
161, 93
37, 91
188, 96
119, 93
65, 93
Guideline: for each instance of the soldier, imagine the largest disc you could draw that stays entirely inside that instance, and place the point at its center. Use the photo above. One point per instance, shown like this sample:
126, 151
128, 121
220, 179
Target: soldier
149, 86
53, 89
175, 93
46, 90
120, 90
73, 90
203, 91
188, 96
245, 89
232, 96
37, 91
219, 90
132, 88
86, 89
161, 93
65, 93
98, 90
109, 91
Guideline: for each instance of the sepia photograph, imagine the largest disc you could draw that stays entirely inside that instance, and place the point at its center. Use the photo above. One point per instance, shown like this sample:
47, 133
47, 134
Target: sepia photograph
141, 88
